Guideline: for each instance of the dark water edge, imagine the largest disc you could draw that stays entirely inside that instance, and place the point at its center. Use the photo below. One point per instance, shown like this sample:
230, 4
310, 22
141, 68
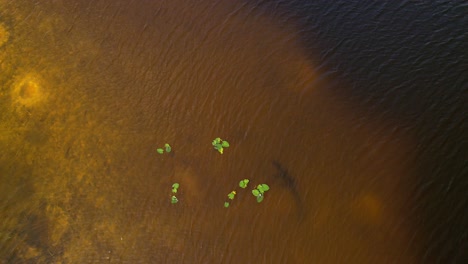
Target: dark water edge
405, 61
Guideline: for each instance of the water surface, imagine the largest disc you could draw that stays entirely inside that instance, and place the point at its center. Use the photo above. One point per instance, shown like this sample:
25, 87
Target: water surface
91, 89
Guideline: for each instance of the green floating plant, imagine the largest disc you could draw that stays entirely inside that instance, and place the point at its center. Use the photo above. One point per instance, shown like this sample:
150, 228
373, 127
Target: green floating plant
263, 188
231, 195
220, 144
167, 148
175, 186
243, 183
260, 191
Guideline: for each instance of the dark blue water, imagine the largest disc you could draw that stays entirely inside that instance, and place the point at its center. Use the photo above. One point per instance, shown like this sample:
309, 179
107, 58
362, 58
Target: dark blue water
404, 61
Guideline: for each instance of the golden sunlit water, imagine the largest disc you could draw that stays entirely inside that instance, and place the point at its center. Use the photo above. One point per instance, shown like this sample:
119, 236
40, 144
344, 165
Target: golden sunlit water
89, 91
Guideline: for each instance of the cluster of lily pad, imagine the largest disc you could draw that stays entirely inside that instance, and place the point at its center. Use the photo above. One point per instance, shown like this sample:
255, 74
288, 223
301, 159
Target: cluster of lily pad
243, 184
220, 144
167, 147
258, 192
175, 187
231, 195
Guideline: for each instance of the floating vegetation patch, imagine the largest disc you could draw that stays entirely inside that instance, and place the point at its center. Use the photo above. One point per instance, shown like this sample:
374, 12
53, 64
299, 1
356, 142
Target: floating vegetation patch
175, 188
220, 144
243, 184
259, 192
231, 196
167, 148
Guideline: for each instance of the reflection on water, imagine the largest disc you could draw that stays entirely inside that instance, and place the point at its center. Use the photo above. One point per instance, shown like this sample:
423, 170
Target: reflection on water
90, 90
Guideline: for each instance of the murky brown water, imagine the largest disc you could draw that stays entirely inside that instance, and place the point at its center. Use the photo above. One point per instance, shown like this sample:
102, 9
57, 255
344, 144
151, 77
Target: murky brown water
91, 90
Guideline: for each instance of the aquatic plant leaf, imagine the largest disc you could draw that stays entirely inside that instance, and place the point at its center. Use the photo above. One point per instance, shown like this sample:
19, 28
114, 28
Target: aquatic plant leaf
174, 199
255, 192
218, 146
160, 150
168, 147
225, 144
259, 198
260, 188
243, 183
226, 204
216, 141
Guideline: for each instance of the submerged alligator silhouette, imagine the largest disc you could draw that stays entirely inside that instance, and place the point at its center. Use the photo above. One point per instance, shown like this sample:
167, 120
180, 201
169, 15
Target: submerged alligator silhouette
289, 182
